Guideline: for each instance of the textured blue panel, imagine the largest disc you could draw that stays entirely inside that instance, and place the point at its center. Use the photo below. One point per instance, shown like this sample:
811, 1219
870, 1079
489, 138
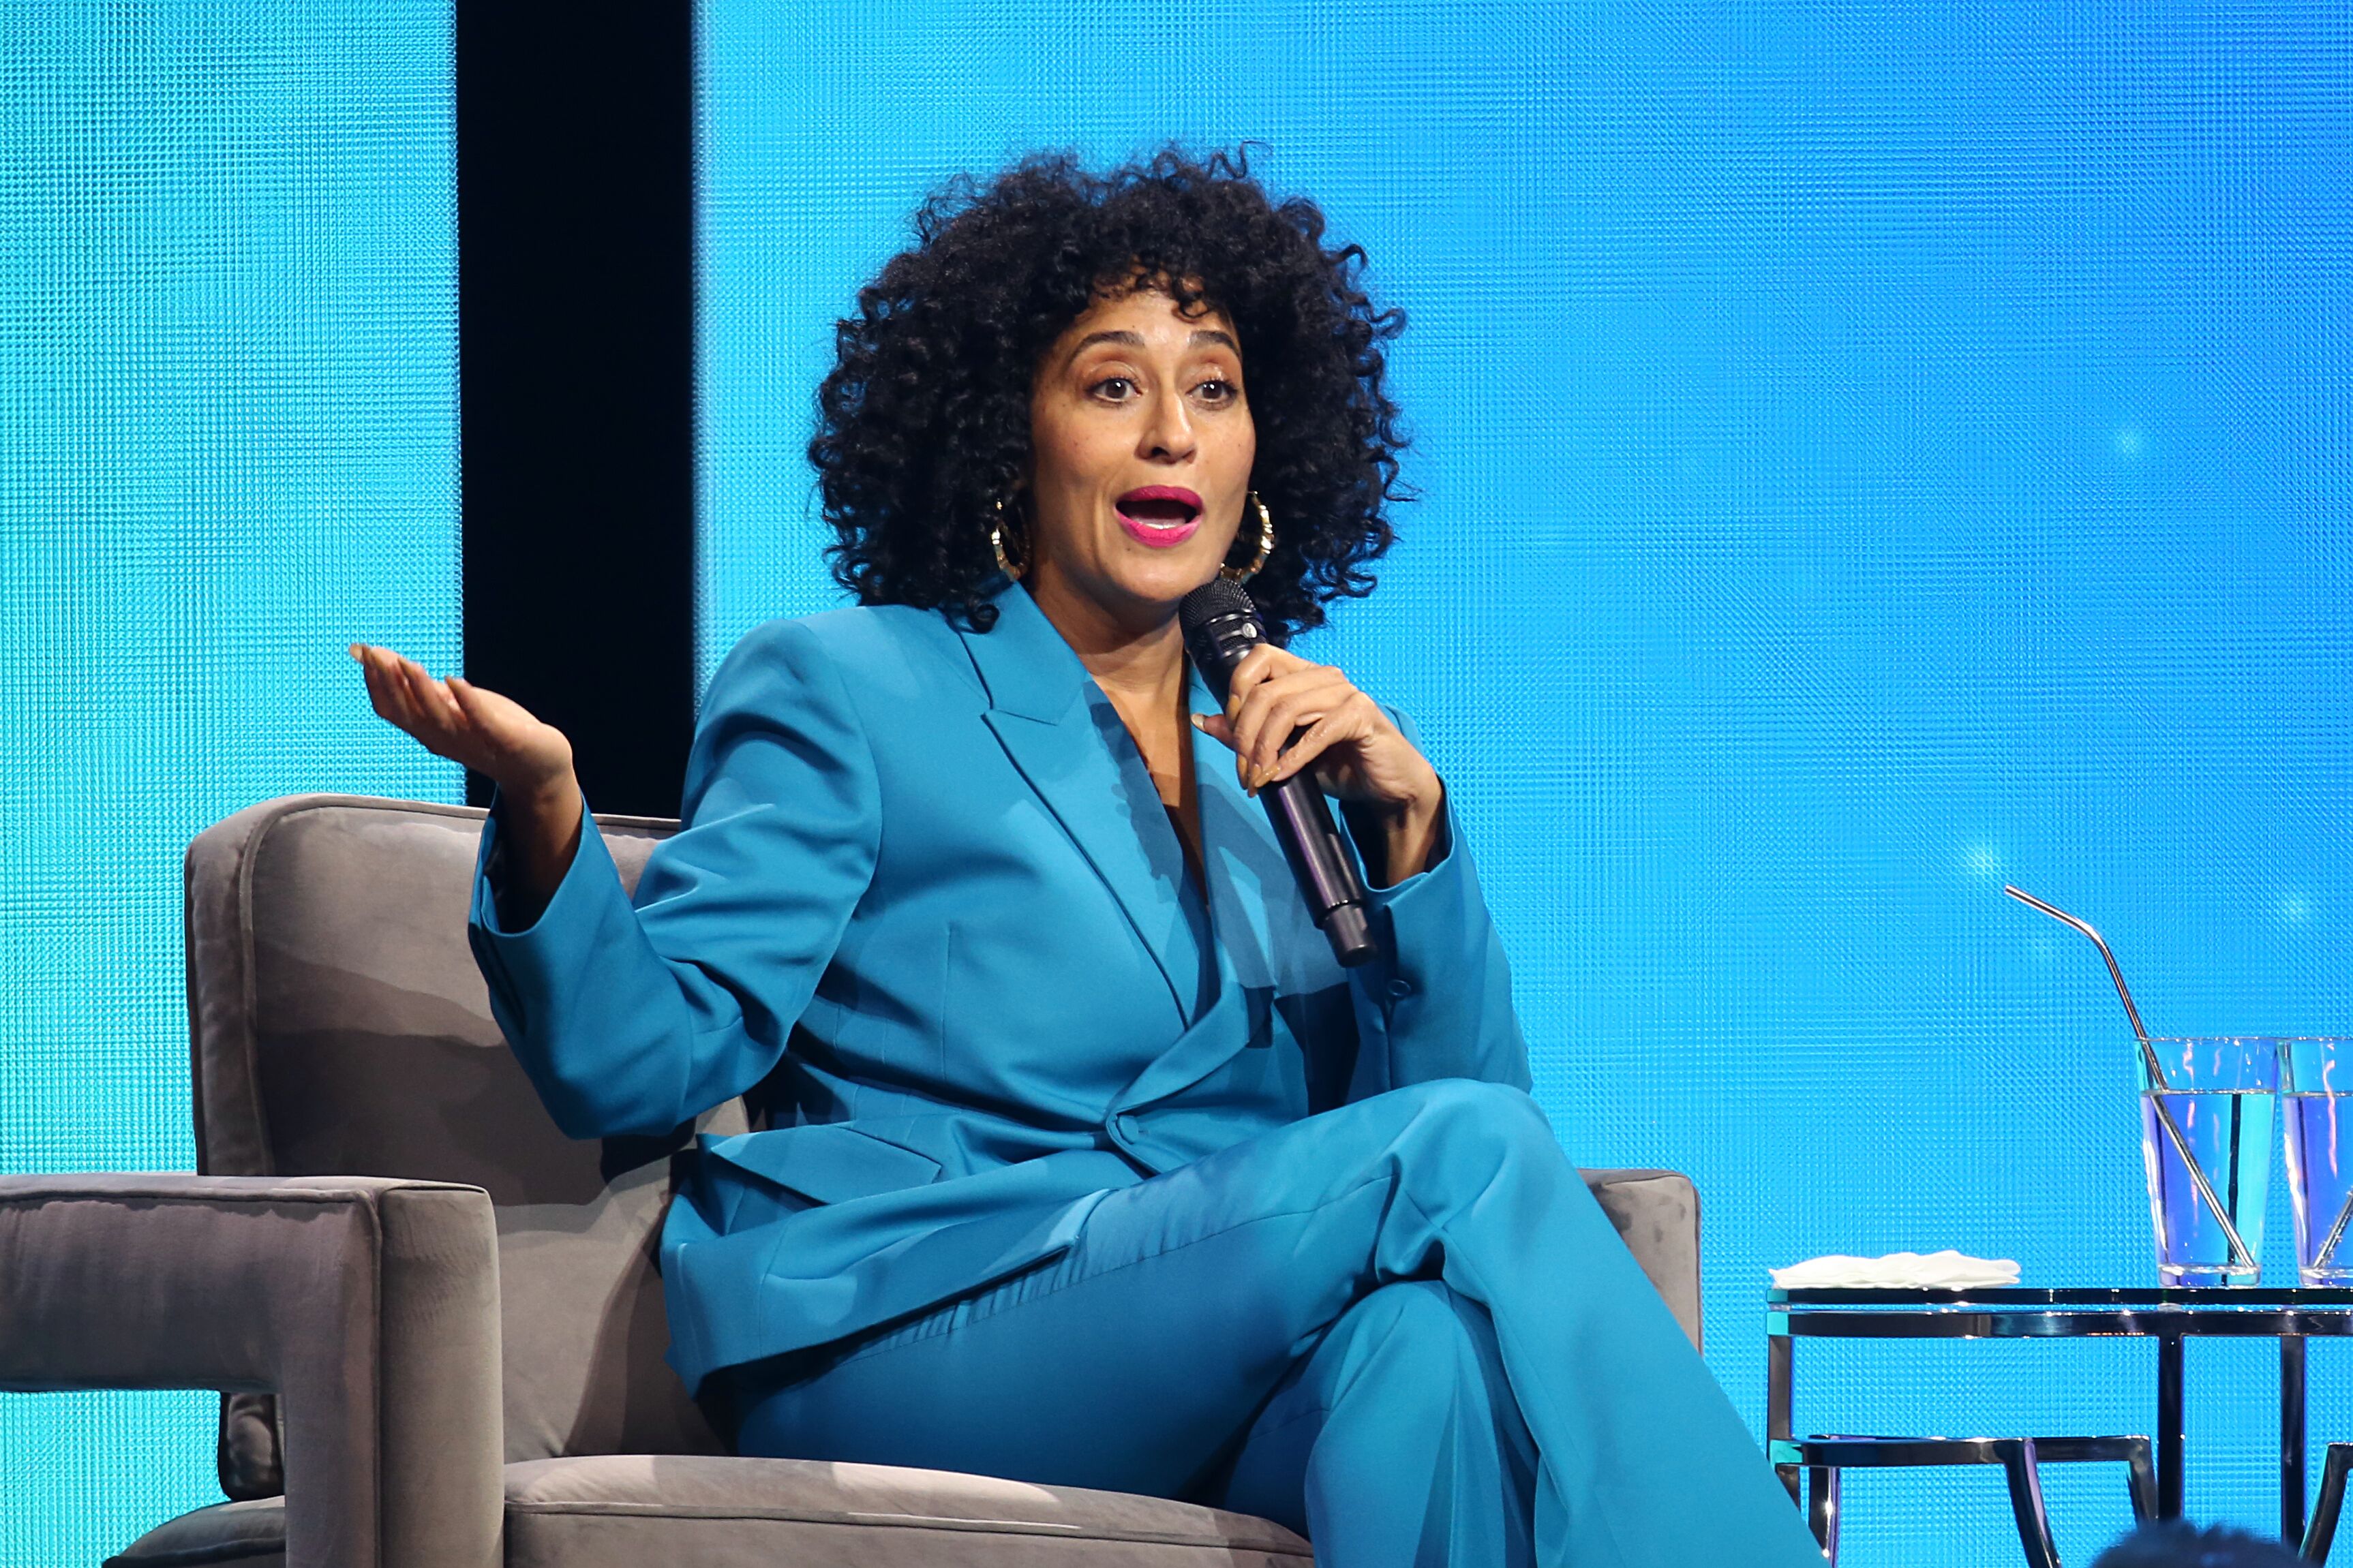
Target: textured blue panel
227, 447
1872, 451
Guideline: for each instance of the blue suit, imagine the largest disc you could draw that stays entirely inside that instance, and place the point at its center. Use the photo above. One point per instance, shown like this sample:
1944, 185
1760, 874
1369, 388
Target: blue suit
1015, 1065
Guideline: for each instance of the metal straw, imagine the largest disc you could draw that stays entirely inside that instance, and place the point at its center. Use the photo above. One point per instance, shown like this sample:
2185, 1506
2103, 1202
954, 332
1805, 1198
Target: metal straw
2147, 1052
2240, 1257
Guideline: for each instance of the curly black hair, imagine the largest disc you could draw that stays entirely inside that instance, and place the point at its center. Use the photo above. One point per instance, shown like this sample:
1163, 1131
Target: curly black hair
923, 422
2178, 1544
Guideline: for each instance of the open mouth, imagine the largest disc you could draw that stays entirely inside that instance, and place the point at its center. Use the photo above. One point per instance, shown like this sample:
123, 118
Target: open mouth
1160, 515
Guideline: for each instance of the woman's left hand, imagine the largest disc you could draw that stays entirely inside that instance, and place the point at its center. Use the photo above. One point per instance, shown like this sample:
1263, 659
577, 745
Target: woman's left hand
1285, 715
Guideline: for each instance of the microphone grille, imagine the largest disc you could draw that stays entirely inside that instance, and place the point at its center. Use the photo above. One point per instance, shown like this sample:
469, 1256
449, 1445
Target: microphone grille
1218, 599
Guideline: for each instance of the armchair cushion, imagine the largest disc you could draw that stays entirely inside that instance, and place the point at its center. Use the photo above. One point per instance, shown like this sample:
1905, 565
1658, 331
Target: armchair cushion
250, 1534
620, 1511
626, 1511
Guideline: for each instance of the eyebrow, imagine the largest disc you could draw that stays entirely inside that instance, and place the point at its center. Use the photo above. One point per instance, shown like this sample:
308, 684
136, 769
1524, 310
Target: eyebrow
1136, 339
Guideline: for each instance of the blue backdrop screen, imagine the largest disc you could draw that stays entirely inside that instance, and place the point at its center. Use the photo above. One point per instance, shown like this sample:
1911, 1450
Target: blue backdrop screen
1870, 451
227, 448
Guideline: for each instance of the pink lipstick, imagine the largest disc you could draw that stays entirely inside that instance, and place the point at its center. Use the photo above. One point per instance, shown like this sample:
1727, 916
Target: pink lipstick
1161, 516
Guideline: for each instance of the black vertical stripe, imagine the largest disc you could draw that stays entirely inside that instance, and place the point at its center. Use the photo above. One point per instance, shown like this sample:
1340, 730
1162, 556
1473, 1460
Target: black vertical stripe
575, 208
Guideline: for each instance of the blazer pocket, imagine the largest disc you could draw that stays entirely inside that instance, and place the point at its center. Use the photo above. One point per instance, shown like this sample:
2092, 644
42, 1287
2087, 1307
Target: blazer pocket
830, 1162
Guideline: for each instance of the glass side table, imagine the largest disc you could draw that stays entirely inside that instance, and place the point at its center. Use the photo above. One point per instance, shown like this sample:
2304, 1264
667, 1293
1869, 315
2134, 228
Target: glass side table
2167, 1316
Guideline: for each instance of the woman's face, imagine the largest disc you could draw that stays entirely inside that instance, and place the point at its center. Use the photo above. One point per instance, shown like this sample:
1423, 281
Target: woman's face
1141, 446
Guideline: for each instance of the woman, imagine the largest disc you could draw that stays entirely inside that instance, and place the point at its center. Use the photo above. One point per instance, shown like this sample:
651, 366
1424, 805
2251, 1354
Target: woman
1083, 1163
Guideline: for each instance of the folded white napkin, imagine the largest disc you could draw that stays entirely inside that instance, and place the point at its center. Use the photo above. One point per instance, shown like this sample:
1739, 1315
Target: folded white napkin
1945, 1270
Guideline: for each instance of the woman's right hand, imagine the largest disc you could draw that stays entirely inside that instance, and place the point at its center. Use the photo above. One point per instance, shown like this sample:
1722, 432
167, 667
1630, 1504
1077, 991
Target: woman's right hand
531, 762
495, 736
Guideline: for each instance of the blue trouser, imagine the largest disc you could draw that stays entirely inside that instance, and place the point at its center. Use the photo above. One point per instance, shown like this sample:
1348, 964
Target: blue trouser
1402, 1327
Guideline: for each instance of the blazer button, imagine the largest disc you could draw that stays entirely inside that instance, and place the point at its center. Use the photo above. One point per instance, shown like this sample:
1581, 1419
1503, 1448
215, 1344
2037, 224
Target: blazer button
1400, 988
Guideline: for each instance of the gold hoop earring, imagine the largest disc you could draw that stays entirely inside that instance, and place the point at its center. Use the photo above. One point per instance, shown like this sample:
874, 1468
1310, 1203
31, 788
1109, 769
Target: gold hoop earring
1265, 546
1004, 562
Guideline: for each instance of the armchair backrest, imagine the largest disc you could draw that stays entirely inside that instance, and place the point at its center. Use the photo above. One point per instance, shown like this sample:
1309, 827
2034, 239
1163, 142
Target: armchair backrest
339, 1028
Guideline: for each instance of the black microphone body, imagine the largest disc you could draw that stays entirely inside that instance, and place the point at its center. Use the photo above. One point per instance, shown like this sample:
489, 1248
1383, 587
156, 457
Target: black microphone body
1221, 626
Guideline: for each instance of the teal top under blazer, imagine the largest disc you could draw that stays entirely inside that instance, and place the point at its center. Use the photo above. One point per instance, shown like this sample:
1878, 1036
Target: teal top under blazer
927, 893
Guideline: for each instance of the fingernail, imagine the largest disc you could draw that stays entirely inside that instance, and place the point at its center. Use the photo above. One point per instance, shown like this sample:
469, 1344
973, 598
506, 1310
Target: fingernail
1200, 721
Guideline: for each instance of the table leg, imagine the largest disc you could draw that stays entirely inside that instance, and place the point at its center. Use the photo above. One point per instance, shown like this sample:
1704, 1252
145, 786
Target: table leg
1778, 1371
2292, 1431
1822, 1509
2020, 1461
2169, 1425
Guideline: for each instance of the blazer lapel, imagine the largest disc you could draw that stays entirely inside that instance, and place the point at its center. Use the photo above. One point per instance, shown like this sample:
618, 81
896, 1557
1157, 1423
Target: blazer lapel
1220, 1032
1070, 746
1251, 892
1265, 936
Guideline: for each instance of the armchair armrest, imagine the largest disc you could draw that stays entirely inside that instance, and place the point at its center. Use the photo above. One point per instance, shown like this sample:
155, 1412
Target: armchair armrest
1657, 1215
369, 1305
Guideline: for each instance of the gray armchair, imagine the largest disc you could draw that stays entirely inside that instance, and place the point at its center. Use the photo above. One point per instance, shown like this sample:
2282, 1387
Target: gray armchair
436, 1320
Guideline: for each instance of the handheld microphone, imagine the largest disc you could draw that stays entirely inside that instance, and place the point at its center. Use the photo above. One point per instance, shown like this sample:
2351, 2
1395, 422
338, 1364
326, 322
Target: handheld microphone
1220, 626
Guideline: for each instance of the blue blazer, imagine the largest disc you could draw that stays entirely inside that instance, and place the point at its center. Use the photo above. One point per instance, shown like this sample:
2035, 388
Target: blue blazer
926, 892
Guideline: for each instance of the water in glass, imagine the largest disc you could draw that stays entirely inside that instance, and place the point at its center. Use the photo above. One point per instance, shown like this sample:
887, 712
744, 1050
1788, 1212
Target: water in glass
2219, 1093
2315, 1104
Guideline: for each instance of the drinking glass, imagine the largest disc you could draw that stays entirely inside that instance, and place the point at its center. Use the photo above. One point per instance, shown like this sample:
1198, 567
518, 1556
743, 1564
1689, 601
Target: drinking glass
2210, 1172
2316, 1100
